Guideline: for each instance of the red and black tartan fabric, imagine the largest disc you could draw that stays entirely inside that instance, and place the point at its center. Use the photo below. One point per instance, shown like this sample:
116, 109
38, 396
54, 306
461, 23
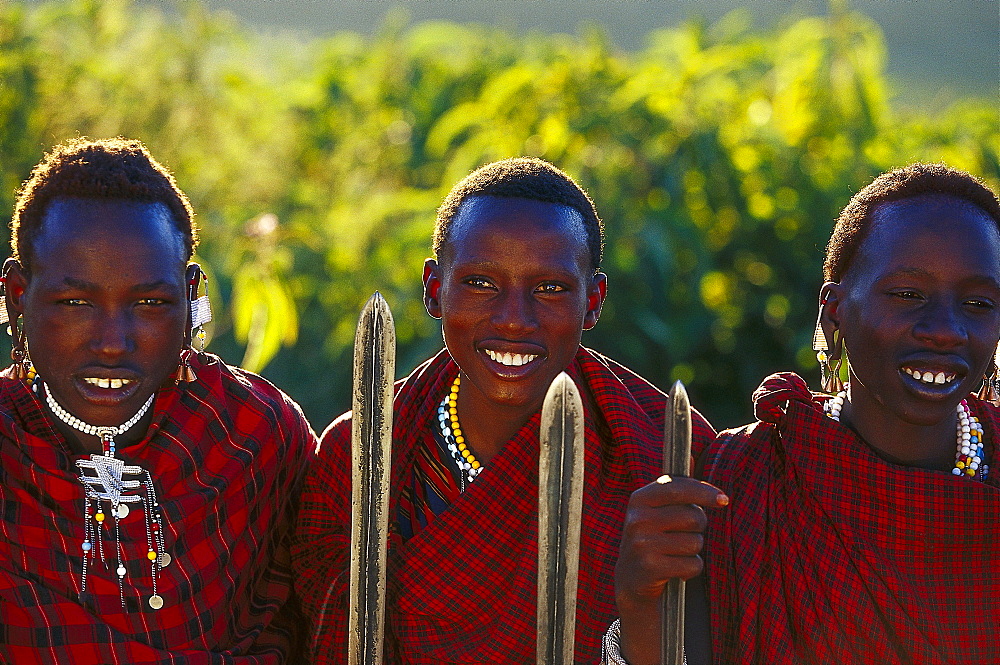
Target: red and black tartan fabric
226, 453
828, 554
462, 590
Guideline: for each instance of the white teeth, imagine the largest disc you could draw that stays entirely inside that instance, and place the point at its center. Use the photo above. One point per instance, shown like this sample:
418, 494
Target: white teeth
107, 383
510, 359
929, 377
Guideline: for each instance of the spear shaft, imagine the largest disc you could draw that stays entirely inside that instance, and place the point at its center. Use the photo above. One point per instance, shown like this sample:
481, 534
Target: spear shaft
371, 449
676, 462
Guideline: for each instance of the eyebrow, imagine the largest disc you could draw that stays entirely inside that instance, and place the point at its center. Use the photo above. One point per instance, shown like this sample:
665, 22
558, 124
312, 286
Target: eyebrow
921, 272
84, 285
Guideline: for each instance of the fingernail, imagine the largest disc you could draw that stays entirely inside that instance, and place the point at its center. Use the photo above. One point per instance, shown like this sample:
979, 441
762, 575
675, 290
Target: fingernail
664, 479
722, 499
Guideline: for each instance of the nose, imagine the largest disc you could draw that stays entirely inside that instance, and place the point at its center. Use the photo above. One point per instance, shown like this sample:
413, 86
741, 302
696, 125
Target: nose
941, 324
113, 334
514, 313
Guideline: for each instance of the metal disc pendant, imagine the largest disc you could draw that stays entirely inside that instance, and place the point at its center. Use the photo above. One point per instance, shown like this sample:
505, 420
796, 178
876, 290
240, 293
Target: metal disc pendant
164, 560
156, 602
122, 511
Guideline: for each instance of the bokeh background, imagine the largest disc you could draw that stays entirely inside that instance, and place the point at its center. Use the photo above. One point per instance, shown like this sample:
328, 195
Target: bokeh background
316, 140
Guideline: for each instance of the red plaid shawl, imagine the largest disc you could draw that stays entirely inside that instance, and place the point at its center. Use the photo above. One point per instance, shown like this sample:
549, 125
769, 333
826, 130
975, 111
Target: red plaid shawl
828, 554
225, 453
463, 588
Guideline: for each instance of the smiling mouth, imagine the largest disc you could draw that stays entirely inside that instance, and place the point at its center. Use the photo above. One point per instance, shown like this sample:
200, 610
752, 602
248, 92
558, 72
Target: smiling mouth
114, 384
510, 359
931, 378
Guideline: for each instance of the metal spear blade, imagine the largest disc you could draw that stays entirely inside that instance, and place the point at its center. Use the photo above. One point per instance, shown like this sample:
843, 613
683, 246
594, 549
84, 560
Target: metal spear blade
560, 508
371, 450
676, 462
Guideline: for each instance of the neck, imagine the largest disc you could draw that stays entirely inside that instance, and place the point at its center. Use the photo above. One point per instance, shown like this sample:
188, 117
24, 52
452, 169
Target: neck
903, 443
488, 426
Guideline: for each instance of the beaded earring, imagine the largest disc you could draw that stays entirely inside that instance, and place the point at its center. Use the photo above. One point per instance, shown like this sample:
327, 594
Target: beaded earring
19, 344
201, 313
989, 392
829, 359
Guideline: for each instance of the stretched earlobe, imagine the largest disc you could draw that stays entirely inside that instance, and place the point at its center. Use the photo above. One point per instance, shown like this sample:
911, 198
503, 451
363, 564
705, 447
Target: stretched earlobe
596, 294
828, 342
432, 286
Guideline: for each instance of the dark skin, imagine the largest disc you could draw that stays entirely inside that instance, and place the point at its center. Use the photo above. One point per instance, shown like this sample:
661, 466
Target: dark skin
516, 278
922, 294
105, 308
515, 289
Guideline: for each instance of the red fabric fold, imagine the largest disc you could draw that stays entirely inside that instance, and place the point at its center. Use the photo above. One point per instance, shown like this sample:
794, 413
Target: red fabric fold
462, 590
226, 454
829, 554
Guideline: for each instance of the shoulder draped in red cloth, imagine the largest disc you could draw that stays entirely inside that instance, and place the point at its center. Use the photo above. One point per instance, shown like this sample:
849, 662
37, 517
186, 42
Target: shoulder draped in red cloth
226, 454
462, 590
829, 554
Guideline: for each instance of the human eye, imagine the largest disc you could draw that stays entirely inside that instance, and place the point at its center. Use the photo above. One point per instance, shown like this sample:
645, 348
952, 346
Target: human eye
551, 287
905, 294
478, 282
72, 302
984, 304
153, 302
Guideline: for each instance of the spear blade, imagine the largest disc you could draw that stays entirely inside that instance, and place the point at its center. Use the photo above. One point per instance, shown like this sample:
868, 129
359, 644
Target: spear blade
371, 449
560, 508
676, 462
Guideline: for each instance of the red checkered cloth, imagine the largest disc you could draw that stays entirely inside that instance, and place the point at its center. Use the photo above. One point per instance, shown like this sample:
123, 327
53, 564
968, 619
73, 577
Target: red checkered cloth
828, 554
226, 454
462, 590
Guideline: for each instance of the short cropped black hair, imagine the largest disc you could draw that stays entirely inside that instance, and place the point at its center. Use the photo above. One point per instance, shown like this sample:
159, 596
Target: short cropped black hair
115, 168
904, 183
522, 178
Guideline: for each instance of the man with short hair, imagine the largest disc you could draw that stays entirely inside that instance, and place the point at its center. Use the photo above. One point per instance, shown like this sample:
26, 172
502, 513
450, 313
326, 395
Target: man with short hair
515, 282
147, 490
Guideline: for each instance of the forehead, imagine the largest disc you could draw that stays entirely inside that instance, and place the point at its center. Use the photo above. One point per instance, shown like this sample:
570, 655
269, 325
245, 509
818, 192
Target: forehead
485, 223
926, 231
125, 234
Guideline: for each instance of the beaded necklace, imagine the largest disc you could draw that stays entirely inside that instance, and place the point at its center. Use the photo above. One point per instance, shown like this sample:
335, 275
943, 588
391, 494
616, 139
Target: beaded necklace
969, 454
468, 466
106, 483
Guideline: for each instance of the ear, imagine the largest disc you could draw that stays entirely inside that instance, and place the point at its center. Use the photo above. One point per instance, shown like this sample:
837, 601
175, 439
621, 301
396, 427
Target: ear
596, 294
432, 285
831, 297
15, 285
192, 277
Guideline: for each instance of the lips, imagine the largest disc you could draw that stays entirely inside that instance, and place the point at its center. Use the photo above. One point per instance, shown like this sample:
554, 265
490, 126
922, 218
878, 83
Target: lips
511, 361
106, 387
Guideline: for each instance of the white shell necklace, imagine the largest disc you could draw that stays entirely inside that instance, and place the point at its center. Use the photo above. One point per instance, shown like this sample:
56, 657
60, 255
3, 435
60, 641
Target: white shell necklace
103, 480
969, 454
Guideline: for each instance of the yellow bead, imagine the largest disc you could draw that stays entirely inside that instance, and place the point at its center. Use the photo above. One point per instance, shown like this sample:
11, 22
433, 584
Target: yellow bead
99, 517
960, 465
459, 439
457, 431
475, 464
970, 472
471, 459
453, 411
461, 446
151, 555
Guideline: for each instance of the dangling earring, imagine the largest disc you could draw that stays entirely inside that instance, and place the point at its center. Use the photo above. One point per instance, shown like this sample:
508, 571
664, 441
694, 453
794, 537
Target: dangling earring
988, 392
200, 314
831, 382
21, 369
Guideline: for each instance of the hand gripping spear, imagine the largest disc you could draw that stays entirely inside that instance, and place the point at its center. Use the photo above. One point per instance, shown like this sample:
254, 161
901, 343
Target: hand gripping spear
676, 462
371, 450
560, 509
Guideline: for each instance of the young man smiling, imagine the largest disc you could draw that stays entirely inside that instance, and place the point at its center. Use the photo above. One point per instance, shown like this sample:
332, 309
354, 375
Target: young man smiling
515, 282
146, 490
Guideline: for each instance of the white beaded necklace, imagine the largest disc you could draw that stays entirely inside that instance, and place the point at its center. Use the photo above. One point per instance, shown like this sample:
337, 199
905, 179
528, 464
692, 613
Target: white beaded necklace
969, 454
106, 483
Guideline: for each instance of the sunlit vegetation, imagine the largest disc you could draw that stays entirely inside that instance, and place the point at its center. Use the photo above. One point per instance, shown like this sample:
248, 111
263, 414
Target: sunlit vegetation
718, 157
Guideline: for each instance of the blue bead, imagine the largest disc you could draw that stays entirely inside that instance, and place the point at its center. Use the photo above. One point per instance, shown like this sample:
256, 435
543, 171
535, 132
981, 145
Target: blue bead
86, 546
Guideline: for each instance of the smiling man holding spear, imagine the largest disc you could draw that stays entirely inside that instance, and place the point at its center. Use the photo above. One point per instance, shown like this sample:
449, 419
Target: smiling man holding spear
515, 281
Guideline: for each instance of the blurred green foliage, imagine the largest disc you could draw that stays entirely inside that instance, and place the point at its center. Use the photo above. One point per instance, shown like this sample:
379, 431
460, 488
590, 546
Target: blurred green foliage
718, 157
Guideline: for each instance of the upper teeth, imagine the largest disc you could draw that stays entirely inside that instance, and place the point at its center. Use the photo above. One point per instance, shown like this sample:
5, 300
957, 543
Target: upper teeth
512, 359
930, 377
107, 383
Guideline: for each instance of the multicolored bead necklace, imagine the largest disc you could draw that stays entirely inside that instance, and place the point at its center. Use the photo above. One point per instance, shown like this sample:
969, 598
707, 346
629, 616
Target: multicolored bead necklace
106, 483
468, 466
970, 454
